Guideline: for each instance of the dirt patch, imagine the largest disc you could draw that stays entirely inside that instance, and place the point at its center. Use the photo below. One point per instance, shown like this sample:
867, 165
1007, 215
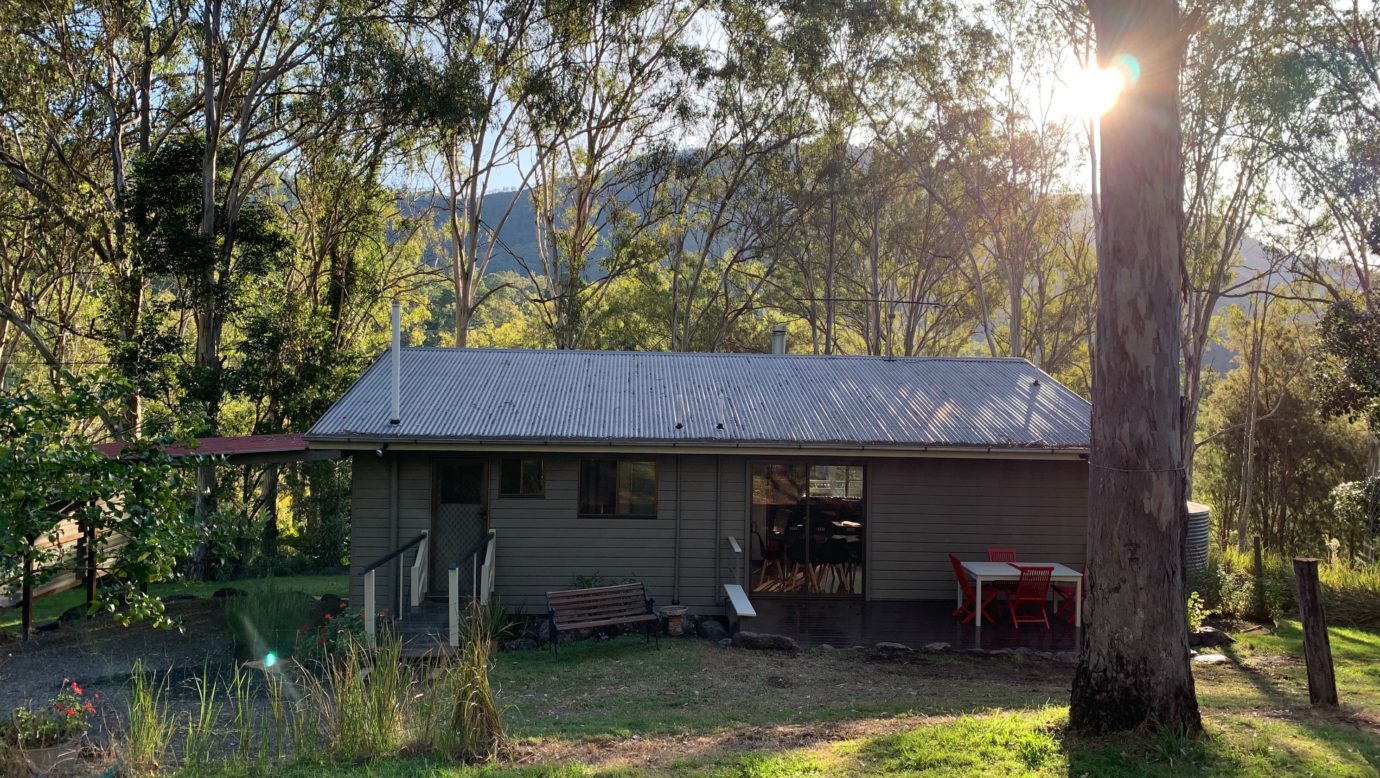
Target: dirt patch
662, 751
100, 652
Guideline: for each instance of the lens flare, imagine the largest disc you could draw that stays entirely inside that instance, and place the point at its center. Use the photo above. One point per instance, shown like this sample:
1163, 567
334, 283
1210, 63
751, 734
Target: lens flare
1095, 90
270, 659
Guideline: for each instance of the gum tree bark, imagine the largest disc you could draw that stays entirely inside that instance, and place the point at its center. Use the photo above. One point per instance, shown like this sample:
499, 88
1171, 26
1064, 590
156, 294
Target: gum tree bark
1133, 669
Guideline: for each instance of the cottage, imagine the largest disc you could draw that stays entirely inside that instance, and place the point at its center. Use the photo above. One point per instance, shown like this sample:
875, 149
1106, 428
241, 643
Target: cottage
520, 472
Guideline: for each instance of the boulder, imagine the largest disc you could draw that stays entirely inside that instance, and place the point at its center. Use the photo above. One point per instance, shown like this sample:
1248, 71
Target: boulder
825, 647
228, 591
892, 648
726, 643
1210, 659
711, 629
1207, 637
935, 648
761, 641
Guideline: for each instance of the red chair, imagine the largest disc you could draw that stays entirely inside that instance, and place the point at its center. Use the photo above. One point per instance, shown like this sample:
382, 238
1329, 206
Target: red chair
1068, 597
1031, 589
1007, 555
969, 606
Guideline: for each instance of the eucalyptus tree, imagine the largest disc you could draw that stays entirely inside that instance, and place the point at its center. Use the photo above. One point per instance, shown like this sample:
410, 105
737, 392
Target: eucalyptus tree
1231, 130
1133, 669
722, 214
607, 88
463, 68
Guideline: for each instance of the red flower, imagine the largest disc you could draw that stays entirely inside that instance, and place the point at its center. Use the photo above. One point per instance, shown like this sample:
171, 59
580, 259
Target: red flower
306, 627
76, 689
328, 617
342, 604
89, 708
71, 711
321, 641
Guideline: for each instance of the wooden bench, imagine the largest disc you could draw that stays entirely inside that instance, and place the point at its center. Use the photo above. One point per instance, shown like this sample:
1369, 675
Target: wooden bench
602, 606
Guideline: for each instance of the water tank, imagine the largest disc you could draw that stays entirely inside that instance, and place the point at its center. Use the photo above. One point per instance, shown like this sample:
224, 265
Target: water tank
1199, 529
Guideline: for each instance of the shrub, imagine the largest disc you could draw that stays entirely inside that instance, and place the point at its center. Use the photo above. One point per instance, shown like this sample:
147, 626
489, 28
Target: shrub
1351, 592
1196, 612
63, 719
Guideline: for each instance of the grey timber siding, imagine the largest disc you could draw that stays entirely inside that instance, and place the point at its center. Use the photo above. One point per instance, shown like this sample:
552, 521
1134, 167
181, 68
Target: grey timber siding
921, 510
370, 522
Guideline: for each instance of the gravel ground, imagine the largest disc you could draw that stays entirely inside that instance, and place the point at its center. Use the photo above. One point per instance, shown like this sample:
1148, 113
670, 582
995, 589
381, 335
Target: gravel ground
99, 653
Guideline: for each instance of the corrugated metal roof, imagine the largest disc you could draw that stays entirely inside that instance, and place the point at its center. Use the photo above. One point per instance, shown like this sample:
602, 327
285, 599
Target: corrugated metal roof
654, 398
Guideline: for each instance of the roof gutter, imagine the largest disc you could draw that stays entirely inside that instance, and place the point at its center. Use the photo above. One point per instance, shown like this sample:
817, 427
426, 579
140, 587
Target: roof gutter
710, 447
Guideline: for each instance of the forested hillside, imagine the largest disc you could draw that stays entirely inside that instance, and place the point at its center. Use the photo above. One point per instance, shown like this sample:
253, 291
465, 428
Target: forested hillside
211, 205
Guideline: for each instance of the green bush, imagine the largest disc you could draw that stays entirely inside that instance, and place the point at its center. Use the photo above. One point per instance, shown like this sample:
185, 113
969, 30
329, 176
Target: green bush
1230, 587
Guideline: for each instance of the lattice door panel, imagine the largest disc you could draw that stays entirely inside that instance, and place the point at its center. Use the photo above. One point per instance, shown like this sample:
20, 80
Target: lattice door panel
458, 528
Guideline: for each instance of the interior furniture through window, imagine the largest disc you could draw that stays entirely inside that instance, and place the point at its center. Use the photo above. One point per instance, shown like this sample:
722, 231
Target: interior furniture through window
618, 487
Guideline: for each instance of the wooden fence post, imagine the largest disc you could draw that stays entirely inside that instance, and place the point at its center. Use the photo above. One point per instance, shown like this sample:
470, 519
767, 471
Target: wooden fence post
1317, 651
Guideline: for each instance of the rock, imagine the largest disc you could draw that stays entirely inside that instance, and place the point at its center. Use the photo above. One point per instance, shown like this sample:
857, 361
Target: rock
711, 629
892, 648
1210, 659
935, 648
1207, 637
825, 647
726, 643
49, 627
1066, 656
73, 614
228, 591
521, 644
760, 641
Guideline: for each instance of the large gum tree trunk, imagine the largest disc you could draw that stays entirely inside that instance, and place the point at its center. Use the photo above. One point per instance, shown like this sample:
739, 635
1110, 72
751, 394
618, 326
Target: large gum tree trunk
1133, 670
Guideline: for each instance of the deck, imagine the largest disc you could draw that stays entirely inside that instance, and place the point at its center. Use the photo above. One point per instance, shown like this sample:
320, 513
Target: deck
843, 622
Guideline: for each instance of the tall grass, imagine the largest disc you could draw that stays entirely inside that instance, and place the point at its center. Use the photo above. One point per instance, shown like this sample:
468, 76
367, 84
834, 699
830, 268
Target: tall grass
1351, 591
199, 737
464, 698
355, 705
148, 726
365, 701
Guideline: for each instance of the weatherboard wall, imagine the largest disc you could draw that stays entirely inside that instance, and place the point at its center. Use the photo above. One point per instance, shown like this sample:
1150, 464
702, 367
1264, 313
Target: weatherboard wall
922, 510
918, 511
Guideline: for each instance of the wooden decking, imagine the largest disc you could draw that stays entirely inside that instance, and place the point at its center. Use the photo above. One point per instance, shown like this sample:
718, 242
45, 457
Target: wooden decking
844, 622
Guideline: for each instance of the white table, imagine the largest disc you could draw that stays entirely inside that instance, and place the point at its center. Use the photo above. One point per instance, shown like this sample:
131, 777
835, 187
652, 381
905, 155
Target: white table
1002, 571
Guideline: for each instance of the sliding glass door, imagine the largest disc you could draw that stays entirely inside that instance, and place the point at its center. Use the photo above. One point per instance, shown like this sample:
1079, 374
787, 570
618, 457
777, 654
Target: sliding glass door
808, 521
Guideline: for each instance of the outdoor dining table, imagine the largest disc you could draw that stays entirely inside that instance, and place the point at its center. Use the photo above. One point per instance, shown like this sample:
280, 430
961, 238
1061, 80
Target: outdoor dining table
982, 572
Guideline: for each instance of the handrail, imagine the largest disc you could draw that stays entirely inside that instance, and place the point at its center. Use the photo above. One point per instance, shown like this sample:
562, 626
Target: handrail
391, 555
421, 581
738, 566
475, 549
479, 591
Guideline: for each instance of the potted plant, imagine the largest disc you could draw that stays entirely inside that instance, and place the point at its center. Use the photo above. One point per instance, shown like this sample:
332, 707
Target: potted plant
50, 736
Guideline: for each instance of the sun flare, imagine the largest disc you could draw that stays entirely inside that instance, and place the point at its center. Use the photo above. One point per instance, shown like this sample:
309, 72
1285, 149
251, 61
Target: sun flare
1095, 90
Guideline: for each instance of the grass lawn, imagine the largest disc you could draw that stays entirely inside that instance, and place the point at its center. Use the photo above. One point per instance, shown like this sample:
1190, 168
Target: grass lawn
619, 708
50, 608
